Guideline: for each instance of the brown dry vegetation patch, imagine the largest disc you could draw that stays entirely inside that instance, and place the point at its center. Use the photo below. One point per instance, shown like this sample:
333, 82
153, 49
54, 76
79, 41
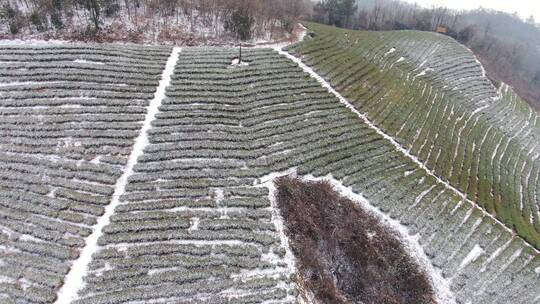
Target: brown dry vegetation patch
344, 254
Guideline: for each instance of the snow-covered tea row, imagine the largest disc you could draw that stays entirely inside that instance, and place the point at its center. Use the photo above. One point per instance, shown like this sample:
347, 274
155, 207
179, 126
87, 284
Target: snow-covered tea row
67, 125
196, 222
192, 196
191, 226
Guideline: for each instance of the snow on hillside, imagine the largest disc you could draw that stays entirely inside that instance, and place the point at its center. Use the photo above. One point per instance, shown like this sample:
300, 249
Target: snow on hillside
138, 173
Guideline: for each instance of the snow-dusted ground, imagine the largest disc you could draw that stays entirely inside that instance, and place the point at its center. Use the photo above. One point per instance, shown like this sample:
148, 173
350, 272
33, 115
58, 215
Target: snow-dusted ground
301, 34
74, 279
268, 182
260, 42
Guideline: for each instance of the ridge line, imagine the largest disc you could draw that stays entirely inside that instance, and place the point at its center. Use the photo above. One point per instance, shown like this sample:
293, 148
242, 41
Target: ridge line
73, 281
397, 145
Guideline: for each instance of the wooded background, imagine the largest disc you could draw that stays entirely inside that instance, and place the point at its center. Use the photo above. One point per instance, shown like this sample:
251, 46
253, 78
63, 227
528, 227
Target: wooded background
154, 20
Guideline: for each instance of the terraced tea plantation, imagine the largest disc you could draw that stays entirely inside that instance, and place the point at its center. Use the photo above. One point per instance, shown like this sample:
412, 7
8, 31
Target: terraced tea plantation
432, 96
69, 115
173, 193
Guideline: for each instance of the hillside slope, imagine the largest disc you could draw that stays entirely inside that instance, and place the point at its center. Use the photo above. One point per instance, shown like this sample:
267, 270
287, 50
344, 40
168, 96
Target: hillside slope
69, 116
431, 95
195, 221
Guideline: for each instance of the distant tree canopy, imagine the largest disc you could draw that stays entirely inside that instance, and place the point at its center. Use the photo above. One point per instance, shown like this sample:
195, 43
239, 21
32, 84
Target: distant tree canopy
335, 12
242, 18
506, 44
240, 22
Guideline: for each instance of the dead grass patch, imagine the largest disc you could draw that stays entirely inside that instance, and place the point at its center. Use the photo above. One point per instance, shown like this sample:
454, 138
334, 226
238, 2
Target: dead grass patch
343, 253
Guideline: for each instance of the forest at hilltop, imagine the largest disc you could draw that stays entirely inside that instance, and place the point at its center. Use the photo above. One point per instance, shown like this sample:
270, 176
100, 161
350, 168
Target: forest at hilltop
181, 22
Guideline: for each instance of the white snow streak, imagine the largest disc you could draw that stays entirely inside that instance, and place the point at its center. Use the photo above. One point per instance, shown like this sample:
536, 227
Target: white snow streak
421, 196
19, 83
479, 109
481, 67
396, 145
268, 182
74, 279
88, 61
500, 90
390, 51
237, 62
475, 253
302, 33
218, 198
424, 72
